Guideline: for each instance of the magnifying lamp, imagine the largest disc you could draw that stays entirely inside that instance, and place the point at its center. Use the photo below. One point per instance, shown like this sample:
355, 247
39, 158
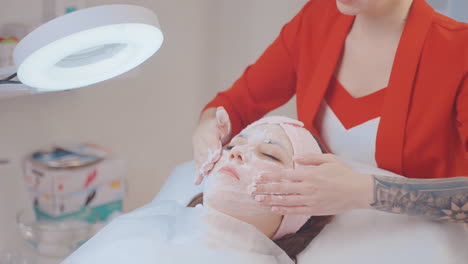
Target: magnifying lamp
86, 47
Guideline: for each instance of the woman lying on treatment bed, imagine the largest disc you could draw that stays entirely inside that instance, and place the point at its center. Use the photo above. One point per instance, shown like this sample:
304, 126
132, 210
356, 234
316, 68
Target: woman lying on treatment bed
230, 227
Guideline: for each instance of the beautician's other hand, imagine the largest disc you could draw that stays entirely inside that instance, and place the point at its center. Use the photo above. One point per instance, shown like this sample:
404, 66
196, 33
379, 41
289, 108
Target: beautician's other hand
326, 186
212, 131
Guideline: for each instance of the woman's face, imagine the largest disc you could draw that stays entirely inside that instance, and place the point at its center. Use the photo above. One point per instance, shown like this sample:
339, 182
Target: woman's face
355, 7
263, 148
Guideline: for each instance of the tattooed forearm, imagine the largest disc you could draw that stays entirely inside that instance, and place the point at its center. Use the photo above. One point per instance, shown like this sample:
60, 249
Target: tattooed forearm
438, 199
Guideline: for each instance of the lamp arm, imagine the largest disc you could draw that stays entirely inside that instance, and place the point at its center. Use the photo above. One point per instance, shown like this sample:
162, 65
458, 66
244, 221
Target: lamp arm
8, 80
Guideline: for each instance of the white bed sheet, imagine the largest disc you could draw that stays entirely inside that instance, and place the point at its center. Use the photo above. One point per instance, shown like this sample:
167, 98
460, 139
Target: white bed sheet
364, 236
179, 186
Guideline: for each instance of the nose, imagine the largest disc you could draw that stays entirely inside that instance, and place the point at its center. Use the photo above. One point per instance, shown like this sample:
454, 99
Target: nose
237, 155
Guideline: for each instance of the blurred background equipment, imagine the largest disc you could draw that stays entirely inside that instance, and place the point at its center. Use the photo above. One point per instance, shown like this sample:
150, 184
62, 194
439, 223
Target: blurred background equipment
55, 8
74, 190
10, 35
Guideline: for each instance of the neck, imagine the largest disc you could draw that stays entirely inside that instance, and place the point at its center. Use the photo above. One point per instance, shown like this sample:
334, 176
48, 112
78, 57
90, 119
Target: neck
265, 223
383, 20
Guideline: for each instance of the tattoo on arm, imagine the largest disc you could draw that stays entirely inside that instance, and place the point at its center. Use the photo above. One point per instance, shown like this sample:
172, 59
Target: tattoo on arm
438, 199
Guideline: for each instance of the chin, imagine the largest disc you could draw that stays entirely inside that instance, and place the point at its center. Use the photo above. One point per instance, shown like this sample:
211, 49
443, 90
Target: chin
350, 9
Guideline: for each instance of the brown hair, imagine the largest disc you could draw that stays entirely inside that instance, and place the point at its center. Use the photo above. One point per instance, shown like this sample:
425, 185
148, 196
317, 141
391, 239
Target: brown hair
292, 244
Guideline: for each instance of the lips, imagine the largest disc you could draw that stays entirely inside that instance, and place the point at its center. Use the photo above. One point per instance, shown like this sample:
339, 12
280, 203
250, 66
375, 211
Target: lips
230, 171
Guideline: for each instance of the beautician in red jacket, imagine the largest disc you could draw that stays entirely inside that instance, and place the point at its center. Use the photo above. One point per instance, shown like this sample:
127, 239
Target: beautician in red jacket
386, 79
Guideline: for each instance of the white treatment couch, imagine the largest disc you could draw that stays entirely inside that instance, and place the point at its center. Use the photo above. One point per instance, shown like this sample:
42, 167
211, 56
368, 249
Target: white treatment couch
361, 236
179, 186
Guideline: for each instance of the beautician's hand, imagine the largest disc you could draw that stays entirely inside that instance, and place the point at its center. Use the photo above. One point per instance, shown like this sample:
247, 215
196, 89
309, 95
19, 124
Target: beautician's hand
212, 131
326, 186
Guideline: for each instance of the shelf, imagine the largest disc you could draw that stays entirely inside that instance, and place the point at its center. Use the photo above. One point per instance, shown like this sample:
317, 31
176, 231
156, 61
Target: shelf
5, 71
12, 90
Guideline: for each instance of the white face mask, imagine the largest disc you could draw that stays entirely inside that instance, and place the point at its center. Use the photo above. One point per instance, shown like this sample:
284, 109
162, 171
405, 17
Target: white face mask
263, 148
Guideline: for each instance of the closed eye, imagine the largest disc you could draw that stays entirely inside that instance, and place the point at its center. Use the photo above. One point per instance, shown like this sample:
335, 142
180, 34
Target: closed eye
271, 157
228, 147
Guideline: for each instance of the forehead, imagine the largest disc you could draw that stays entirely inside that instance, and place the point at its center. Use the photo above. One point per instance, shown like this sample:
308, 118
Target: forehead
268, 131
263, 130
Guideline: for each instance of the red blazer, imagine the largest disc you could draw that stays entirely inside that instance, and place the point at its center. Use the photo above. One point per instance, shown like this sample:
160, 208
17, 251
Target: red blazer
423, 131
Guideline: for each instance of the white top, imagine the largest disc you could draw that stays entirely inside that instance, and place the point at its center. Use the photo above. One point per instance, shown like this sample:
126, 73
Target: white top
355, 144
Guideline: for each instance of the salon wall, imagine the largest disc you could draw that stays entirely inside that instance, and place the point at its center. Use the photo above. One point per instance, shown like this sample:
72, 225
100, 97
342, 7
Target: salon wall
147, 115
457, 9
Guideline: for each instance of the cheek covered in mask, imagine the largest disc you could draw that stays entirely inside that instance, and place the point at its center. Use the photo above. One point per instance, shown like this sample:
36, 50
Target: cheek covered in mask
226, 187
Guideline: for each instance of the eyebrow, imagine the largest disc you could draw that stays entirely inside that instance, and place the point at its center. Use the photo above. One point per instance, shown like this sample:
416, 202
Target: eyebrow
274, 142
271, 141
242, 135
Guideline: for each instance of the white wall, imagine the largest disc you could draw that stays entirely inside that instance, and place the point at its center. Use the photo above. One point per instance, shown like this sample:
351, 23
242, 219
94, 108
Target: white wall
457, 9
149, 116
